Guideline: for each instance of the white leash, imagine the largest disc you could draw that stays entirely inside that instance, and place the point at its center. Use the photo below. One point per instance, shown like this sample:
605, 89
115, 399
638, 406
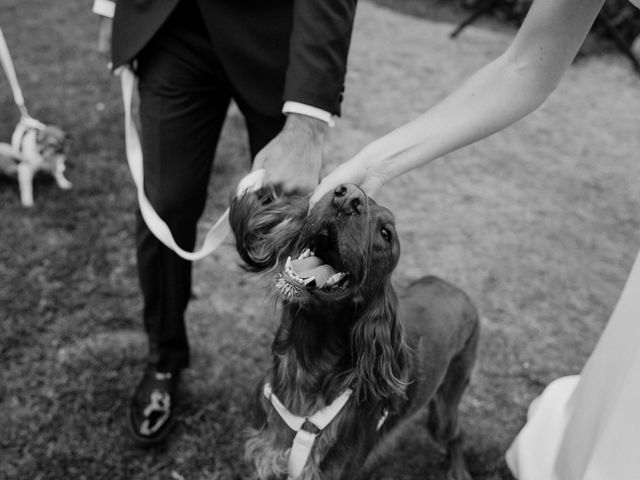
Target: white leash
26, 122
304, 440
215, 236
158, 227
9, 69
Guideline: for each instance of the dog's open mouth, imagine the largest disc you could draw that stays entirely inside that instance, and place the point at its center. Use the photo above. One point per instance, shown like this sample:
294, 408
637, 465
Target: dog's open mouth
310, 272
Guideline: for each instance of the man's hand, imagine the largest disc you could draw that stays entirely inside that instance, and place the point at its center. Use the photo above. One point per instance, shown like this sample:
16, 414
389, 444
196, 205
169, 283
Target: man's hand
292, 160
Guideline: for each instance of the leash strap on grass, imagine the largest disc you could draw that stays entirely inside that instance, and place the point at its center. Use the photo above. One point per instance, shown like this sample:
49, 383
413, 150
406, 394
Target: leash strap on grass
216, 235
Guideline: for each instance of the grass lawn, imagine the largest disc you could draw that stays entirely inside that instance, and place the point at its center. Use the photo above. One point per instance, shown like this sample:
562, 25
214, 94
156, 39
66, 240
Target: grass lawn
539, 224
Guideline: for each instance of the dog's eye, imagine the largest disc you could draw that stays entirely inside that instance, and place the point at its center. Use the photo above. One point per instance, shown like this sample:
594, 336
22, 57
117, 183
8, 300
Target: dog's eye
385, 234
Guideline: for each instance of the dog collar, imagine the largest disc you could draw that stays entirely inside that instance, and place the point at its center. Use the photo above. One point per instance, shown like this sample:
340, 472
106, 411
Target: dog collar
306, 428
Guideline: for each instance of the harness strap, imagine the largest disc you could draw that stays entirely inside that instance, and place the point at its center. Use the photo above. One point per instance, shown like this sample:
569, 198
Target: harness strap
157, 226
304, 440
299, 453
24, 126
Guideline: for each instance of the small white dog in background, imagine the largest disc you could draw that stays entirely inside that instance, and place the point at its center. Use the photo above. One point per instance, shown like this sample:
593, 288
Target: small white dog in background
35, 147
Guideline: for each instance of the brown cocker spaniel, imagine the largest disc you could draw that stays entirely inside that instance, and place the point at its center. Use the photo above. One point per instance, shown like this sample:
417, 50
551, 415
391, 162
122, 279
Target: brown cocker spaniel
352, 364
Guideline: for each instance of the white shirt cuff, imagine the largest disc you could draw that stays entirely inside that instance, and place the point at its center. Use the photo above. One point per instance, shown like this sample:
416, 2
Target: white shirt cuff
309, 111
105, 8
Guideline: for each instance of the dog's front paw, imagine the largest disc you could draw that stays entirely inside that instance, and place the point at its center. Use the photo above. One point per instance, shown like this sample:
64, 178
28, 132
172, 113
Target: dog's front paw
63, 183
26, 202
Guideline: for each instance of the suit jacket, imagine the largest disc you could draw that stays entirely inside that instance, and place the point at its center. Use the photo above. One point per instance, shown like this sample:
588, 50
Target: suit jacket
288, 49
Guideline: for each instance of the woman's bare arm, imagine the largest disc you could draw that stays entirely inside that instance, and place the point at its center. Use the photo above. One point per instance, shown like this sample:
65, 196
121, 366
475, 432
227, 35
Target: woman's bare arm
497, 95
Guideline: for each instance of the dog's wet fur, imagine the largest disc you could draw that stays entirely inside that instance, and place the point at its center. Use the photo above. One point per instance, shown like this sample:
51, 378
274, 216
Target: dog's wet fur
410, 356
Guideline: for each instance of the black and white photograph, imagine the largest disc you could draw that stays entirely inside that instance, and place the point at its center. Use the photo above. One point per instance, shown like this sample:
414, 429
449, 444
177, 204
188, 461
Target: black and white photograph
320, 240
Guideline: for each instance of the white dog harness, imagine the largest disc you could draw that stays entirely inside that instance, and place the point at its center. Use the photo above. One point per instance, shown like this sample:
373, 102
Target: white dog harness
304, 439
26, 126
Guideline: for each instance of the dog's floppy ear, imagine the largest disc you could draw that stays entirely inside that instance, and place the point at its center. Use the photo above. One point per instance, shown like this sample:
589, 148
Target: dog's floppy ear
378, 343
266, 226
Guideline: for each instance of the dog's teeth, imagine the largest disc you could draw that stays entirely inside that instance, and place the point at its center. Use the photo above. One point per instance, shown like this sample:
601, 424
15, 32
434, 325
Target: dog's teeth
334, 279
308, 280
293, 276
287, 270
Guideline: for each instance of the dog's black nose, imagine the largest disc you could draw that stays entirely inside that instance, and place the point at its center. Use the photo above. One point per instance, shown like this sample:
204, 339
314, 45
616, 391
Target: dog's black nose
349, 199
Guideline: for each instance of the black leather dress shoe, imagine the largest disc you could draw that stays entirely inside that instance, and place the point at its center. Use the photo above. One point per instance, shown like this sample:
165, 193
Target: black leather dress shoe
150, 415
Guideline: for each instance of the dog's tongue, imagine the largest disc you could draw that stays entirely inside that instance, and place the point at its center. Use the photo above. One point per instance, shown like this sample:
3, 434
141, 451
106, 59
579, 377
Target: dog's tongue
313, 267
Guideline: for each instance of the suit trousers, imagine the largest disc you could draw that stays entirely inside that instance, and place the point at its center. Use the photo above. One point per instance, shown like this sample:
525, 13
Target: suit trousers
184, 97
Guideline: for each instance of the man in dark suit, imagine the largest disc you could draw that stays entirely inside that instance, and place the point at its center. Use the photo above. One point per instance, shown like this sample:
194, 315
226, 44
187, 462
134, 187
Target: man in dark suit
283, 62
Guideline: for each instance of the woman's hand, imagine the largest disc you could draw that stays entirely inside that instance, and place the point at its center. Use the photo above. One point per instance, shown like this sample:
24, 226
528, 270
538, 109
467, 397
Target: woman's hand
500, 93
352, 171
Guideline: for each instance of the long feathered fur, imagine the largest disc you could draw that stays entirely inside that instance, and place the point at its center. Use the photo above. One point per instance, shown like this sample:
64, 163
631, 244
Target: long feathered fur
381, 353
314, 359
352, 337
266, 226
